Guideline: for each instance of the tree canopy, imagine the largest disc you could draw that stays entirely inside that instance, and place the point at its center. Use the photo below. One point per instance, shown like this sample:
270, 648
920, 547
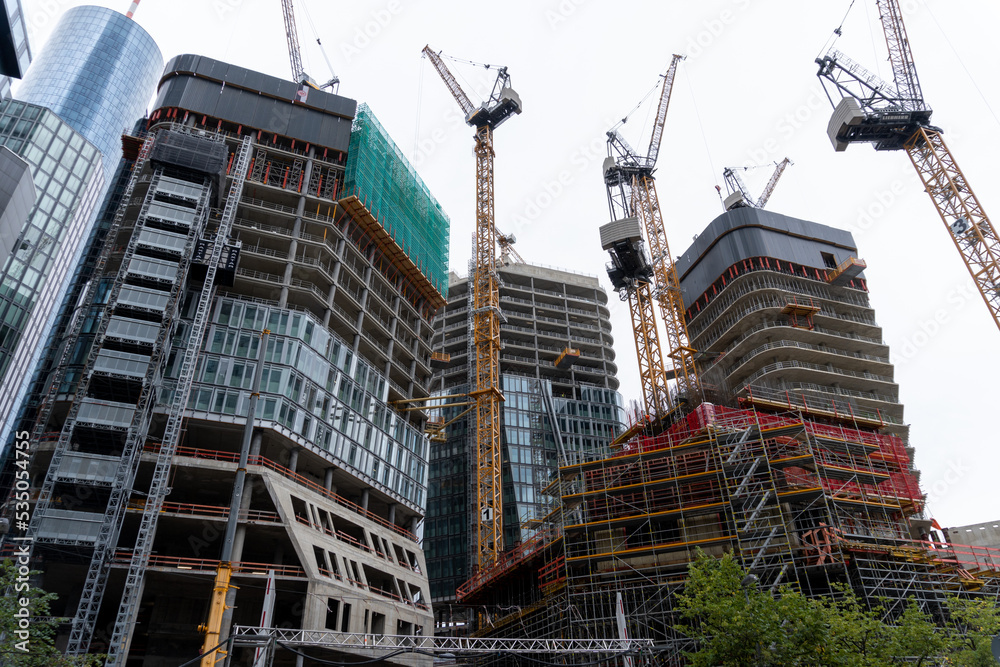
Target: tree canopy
736, 623
27, 631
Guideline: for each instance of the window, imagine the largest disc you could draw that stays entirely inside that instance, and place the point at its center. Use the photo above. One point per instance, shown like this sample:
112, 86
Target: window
829, 261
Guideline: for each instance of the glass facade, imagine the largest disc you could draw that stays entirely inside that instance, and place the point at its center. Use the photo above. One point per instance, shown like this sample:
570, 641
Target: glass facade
98, 72
315, 388
68, 178
538, 428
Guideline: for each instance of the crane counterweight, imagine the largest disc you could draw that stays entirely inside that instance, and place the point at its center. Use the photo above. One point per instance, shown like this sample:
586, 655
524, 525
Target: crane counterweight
896, 117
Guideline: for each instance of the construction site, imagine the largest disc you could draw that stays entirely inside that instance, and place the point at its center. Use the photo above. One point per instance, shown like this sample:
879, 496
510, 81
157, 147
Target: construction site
280, 431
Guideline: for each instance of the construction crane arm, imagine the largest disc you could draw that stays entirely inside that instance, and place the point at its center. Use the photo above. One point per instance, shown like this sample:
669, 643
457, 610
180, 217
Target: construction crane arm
292, 34
661, 111
900, 120
449, 80
769, 188
904, 71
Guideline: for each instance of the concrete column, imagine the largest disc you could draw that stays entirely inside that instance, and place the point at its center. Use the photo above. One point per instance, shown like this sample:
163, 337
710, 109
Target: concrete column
328, 481
392, 513
364, 499
255, 443
293, 460
412, 525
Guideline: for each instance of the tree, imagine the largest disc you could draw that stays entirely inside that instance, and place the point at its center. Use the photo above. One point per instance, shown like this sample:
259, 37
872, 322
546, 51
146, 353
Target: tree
736, 623
27, 630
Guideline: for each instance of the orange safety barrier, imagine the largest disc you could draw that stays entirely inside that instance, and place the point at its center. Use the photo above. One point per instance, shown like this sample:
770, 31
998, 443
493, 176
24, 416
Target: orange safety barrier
214, 455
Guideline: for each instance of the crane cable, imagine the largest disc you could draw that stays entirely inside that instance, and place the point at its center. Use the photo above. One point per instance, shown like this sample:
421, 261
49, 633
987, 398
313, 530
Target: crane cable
636, 107
837, 32
420, 98
962, 63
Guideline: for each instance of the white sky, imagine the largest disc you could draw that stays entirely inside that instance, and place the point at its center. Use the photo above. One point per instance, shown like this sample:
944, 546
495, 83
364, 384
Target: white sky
747, 93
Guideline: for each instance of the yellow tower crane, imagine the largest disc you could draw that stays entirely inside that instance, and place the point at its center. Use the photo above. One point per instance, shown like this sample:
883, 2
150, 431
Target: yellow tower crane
501, 105
635, 207
897, 118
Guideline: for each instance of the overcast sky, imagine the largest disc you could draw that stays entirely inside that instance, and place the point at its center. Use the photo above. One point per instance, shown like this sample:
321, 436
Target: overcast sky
746, 95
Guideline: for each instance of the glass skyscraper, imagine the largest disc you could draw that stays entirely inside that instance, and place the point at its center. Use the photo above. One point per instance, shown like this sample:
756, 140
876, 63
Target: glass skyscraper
98, 71
69, 182
87, 86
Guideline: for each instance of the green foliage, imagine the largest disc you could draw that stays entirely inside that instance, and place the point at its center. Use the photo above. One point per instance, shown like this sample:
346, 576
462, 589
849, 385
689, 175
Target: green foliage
41, 628
739, 624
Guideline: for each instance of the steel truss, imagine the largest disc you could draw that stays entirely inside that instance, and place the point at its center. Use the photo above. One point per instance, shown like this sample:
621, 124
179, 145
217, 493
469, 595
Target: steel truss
255, 636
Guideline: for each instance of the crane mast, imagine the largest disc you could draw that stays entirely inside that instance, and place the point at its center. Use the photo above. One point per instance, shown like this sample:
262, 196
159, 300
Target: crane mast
628, 177
897, 118
292, 35
503, 102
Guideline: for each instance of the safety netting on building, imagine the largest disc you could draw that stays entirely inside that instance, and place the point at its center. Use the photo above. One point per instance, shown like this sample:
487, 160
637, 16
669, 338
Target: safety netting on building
379, 174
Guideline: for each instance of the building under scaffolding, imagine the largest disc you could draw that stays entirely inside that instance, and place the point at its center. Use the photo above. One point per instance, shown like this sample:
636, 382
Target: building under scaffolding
801, 501
800, 467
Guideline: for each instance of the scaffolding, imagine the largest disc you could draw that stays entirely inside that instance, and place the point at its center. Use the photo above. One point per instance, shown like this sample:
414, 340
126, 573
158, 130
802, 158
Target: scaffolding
381, 176
801, 500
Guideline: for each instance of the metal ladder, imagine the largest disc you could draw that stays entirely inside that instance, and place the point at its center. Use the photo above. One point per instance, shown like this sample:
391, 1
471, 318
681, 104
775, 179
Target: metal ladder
761, 533
135, 580
85, 620
44, 500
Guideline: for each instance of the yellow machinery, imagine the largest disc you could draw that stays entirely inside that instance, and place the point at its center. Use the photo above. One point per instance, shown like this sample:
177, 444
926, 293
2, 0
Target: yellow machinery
502, 103
872, 111
634, 206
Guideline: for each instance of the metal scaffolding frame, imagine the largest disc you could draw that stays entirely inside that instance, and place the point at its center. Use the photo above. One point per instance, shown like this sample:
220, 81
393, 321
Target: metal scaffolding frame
800, 502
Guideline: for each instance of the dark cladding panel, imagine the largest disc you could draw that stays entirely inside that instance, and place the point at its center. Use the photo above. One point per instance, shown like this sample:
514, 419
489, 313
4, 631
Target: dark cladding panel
235, 105
256, 101
271, 116
747, 232
252, 80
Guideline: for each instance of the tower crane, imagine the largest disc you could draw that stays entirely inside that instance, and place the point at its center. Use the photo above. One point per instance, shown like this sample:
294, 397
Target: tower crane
502, 103
295, 53
508, 253
634, 205
739, 194
896, 117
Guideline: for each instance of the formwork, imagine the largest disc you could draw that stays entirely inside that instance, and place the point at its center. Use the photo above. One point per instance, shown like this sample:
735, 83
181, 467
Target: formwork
384, 180
802, 503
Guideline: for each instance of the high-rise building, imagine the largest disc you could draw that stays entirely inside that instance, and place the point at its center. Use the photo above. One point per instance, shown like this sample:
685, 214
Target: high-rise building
560, 389
779, 307
243, 269
97, 71
69, 181
15, 53
93, 79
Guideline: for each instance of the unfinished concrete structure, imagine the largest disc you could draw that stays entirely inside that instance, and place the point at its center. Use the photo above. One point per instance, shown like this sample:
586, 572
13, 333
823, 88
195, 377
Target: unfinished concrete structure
799, 466
558, 376
243, 272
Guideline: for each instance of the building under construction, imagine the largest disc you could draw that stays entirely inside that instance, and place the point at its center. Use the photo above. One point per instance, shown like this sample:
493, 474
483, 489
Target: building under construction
799, 466
265, 294
559, 382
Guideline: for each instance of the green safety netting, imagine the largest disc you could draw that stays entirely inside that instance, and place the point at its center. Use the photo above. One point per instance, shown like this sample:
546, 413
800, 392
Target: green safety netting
379, 174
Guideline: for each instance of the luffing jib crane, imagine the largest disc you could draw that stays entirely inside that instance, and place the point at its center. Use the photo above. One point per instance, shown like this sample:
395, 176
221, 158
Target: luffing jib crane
739, 195
501, 105
295, 53
508, 253
897, 118
634, 206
